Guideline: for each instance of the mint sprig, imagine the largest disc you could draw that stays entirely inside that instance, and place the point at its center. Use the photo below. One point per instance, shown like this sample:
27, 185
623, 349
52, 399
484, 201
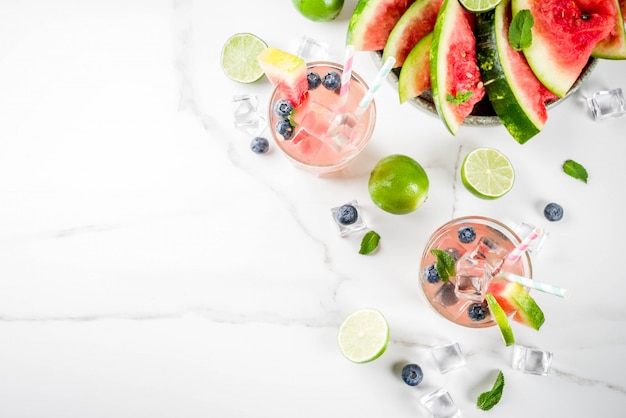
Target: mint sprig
576, 170
460, 98
489, 399
520, 34
369, 243
445, 264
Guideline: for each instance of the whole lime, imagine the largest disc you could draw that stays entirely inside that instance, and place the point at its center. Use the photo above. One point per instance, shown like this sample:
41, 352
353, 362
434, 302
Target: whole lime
398, 184
319, 10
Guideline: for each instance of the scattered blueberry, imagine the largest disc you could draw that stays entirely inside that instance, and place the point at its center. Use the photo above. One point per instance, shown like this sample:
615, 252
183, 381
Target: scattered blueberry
477, 311
332, 80
431, 275
467, 234
553, 212
283, 108
314, 80
412, 374
259, 145
347, 215
284, 128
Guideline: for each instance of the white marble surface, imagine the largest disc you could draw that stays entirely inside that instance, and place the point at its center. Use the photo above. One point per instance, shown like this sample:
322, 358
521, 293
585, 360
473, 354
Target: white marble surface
152, 266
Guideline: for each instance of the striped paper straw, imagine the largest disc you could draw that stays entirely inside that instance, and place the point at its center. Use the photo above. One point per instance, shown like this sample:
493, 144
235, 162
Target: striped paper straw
346, 76
534, 284
517, 252
378, 81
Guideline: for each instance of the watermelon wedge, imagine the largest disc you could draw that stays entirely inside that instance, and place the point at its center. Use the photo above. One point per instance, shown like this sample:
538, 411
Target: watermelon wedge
414, 78
414, 24
564, 34
514, 91
512, 296
613, 46
372, 21
287, 72
454, 75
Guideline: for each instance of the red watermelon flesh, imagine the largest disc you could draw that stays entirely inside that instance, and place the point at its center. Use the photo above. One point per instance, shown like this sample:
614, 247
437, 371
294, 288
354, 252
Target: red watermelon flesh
287, 72
614, 45
372, 21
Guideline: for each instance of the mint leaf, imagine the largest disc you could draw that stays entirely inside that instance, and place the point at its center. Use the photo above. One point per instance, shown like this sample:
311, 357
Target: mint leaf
520, 34
460, 98
487, 400
573, 169
369, 243
445, 264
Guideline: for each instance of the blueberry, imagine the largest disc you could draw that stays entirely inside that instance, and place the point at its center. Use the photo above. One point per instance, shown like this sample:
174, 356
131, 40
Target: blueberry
431, 275
412, 374
477, 311
283, 108
314, 80
467, 234
332, 80
284, 128
259, 145
347, 215
553, 212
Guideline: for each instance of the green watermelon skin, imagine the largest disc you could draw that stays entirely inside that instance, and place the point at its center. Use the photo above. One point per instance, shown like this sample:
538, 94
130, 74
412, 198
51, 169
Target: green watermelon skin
414, 78
613, 46
414, 24
453, 64
562, 41
372, 21
514, 91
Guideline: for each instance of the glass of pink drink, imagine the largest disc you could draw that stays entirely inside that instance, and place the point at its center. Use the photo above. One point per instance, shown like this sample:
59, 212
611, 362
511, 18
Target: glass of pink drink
445, 298
311, 147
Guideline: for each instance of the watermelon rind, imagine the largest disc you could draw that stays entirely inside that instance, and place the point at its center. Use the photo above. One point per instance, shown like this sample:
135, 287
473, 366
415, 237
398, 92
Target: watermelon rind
414, 78
614, 46
372, 21
514, 92
418, 21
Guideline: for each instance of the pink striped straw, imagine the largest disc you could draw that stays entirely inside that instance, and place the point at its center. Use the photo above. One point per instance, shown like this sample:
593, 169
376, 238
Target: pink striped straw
517, 252
346, 76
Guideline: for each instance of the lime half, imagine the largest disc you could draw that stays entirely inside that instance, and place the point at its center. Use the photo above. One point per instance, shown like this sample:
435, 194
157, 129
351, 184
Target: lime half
478, 6
487, 173
503, 322
239, 57
363, 336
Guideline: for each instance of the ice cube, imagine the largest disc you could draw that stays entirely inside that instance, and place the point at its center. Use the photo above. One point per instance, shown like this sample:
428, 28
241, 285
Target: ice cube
531, 360
472, 278
447, 357
605, 104
523, 229
311, 49
489, 250
440, 404
246, 117
345, 229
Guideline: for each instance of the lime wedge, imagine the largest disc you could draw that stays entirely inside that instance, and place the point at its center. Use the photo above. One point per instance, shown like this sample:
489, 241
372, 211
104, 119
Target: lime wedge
363, 336
487, 173
503, 322
479, 6
239, 57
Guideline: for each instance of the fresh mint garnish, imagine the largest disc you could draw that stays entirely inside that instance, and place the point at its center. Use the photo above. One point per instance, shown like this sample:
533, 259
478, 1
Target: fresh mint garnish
520, 35
573, 169
444, 265
460, 98
369, 243
488, 400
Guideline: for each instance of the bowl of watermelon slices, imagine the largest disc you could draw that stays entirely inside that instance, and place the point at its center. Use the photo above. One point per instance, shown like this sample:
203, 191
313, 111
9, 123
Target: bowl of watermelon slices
505, 66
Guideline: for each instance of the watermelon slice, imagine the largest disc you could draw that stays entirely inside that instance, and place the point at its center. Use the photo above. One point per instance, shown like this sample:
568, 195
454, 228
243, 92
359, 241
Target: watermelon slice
415, 23
564, 34
454, 75
614, 46
372, 21
514, 91
511, 296
287, 72
414, 78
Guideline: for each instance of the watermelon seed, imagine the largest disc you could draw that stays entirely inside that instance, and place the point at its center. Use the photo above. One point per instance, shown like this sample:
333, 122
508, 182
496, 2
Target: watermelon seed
585, 16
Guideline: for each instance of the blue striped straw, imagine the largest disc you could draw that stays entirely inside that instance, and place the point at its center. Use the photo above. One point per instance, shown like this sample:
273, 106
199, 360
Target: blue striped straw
534, 284
378, 81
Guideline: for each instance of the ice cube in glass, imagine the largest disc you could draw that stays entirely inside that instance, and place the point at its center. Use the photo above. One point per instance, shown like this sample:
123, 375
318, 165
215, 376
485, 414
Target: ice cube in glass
311, 49
447, 357
489, 250
440, 404
358, 225
531, 360
605, 104
246, 117
472, 278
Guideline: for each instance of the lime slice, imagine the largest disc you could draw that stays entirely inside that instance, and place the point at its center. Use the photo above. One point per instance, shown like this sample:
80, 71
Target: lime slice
363, 335
239, 57
503, 322
479, 6
487, 173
